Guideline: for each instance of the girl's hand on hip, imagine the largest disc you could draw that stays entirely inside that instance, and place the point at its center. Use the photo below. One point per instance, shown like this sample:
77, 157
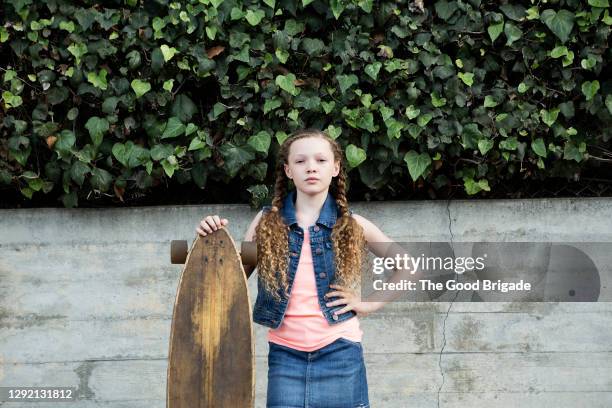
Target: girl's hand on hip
351, 299
210, 224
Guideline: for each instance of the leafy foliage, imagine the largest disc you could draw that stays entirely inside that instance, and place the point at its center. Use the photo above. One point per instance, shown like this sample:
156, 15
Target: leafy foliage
104, 101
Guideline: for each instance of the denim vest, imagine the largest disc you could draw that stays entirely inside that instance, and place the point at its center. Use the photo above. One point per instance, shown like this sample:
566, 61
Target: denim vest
270, 312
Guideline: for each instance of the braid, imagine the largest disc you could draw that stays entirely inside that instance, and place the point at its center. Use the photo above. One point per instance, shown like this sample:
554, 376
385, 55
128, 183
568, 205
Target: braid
341, 193
280, 188
347, 235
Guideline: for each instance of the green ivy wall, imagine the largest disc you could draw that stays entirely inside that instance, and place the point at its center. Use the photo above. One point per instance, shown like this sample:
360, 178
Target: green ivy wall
110, 98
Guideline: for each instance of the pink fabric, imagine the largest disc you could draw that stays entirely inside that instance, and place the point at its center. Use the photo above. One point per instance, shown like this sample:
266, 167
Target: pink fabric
304, 327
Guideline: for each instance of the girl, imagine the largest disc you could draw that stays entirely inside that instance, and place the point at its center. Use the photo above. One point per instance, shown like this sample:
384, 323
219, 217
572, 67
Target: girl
310, 248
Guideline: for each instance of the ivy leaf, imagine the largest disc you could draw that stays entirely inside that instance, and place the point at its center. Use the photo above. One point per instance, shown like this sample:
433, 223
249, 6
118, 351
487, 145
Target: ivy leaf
168, 52
10, 100
560, 22
467, 78
110, 105
328, 106
168, 85
287, 84
385, 112
174, 127
97, 127
588, 63
196, 144
346, 81
140, 87
355, 155
211, 32
312, 46
133, 59
609, 103
538, 147
282, 55
490, 102
559, 51
412, 112
373, 69
394, 128
484, 145
366, 121
472, 187
590, 88
293, 28
271, 104
78, 170
260, 142
77, 50
235, 157
513, 33
436, 101
64, 142
549, 116
515, 12
254, 17
170, 164
571, 152
510, 143
161, 151
122, 152
599, 3
281, 137
424, 119
67, 25
100, 179
444, 9
183, 108
417, 163
337, 7
98, 80
218, 109
495, 30
130, 155
333, 131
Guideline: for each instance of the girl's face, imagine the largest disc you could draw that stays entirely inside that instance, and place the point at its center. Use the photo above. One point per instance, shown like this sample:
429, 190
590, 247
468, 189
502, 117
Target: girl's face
311, 164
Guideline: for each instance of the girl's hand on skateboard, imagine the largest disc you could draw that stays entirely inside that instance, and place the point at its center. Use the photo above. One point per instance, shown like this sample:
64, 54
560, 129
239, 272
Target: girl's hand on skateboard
210, 224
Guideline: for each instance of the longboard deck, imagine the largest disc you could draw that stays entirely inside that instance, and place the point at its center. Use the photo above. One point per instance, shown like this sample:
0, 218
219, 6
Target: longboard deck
211, 359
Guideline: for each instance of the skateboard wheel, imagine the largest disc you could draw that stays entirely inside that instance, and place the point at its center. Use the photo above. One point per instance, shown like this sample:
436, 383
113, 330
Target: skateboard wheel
248, 253
178, 251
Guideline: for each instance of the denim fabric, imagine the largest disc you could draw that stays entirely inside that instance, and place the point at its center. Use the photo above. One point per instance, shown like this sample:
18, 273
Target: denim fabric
333, 376
269, 312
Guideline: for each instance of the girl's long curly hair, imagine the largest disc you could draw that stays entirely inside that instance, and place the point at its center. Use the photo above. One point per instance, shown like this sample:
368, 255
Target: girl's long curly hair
272, 233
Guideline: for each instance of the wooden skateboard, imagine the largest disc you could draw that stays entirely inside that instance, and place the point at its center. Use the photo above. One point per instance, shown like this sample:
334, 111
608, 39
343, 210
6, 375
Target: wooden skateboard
211, 359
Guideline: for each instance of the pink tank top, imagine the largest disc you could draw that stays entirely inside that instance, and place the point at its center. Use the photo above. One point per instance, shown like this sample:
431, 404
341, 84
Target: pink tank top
304, 327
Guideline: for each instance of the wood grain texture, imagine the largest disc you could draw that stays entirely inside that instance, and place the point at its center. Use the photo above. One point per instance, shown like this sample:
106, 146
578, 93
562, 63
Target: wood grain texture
211, 358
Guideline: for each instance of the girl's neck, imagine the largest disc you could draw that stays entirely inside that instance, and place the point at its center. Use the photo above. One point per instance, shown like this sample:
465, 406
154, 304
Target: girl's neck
308, 207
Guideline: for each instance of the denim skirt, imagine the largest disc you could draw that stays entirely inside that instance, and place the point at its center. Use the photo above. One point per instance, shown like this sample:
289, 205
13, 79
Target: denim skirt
333, 376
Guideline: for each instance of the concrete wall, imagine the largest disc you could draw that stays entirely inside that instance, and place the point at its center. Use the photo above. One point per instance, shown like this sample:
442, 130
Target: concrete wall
86, 300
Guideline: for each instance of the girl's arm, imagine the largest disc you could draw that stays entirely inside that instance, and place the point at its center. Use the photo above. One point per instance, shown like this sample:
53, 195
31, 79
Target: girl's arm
383, 246
372, 232
250, 236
